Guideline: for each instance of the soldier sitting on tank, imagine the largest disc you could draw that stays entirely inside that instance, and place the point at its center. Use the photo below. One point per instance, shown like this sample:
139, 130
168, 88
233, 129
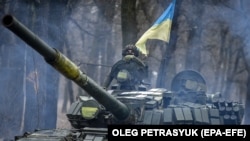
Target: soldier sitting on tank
129, 72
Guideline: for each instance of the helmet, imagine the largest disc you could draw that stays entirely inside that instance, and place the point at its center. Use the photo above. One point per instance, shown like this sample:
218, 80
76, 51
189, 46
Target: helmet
130, 50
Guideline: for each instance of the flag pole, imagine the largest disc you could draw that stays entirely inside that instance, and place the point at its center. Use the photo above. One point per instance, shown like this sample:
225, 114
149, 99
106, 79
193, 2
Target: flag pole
161, 78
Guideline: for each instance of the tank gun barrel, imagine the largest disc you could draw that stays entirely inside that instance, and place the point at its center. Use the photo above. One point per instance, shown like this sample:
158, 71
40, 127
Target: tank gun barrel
66, 67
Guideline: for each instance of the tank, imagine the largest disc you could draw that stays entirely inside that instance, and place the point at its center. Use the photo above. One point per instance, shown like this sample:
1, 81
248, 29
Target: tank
187, 102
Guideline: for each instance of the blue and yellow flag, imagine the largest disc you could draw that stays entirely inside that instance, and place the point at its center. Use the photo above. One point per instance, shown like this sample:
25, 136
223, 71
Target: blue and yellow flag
160, 29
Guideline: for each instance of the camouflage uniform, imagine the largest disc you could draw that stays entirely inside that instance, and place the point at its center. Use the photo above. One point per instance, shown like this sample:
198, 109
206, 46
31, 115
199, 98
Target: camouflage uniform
129, 71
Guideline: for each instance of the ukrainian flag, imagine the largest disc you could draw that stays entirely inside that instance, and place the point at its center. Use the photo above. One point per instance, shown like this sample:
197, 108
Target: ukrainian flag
160, 29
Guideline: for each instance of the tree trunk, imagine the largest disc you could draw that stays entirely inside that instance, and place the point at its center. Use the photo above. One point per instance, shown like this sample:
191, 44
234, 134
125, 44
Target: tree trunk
129, 25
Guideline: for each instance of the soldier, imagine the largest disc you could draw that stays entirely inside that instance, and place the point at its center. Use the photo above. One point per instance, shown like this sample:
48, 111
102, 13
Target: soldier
129, 71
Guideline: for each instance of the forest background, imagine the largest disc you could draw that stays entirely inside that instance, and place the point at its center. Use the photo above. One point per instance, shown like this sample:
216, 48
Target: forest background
208, 36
